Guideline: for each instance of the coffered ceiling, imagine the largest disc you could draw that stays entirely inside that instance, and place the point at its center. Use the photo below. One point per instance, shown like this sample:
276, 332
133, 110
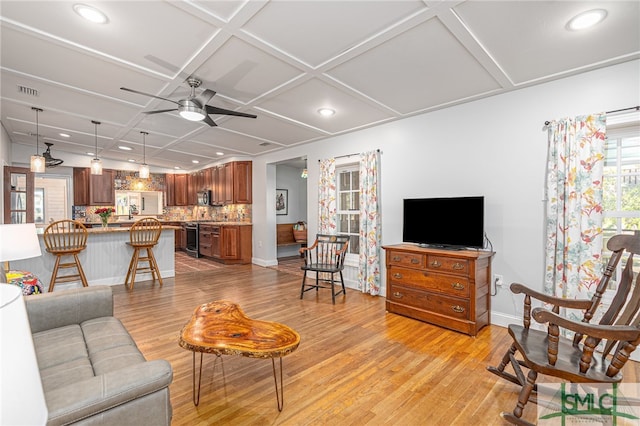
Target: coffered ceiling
370, 61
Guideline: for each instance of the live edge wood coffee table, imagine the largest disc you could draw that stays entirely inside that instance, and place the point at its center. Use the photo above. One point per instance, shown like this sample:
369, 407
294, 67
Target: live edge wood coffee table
221, 328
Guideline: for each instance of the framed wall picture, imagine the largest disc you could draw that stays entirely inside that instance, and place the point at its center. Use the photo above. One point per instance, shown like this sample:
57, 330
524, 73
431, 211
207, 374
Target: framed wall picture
282, 201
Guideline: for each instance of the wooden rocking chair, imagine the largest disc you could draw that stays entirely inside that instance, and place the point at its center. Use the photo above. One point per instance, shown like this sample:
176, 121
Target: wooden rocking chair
547, 353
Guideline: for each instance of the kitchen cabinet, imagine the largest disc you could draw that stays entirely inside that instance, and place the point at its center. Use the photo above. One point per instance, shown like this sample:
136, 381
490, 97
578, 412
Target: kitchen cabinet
176, 189
449, 288
93, 190
19, 195
235, 182
230, 244
235, 243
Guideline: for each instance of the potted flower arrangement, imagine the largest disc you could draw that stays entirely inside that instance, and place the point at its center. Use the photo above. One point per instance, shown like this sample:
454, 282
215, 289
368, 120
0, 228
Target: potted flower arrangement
105, 214
300, 231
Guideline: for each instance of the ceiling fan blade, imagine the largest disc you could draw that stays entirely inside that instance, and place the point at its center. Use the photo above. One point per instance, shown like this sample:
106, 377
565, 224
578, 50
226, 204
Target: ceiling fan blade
205, 96
209, 121
159, 111
222, 111
148, 94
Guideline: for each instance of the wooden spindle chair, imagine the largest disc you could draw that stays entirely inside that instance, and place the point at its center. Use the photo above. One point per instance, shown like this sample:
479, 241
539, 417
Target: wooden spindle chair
326, 258
573, 360
66, 238
144, 235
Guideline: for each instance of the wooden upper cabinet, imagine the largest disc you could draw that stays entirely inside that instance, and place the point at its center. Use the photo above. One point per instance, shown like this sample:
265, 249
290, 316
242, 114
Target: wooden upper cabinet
18, 195
242, 175
92, 190
176, 189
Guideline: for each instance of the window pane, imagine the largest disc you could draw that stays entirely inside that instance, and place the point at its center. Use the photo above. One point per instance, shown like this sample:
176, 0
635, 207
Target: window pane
354, 244
354, 225
18, 201
345, 181
18, 181
343, 223
630, 194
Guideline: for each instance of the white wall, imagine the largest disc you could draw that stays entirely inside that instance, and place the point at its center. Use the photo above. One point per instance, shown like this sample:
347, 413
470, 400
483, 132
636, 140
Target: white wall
5, 160
494, 147
289, 178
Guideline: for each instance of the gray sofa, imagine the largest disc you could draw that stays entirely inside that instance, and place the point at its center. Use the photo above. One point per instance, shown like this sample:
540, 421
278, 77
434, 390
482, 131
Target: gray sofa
91, 369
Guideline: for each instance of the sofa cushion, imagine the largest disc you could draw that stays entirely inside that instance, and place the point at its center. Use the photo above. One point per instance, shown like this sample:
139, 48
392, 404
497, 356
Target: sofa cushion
62, 356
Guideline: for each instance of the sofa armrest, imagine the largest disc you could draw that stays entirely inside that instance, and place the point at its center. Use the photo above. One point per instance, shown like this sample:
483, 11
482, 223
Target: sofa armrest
66, 307
101, 393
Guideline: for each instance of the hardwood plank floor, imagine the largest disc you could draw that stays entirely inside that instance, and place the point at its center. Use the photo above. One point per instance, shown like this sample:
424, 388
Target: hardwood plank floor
356, 364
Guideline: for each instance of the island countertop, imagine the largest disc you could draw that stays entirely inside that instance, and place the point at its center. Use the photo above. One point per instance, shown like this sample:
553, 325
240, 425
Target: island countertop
106, 259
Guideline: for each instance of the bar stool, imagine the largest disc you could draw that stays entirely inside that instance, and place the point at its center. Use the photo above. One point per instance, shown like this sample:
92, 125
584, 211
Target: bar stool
66, 238
144, 234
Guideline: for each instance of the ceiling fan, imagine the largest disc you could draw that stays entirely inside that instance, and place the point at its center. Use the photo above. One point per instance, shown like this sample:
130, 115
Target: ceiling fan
194, 107
49, 160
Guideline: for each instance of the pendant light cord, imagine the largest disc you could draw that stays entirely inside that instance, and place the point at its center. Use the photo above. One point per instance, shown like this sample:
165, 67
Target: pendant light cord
144, 150
96, 137
37, 110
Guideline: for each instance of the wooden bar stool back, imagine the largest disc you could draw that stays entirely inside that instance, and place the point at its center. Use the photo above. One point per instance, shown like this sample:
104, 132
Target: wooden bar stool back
144, 234
66, 238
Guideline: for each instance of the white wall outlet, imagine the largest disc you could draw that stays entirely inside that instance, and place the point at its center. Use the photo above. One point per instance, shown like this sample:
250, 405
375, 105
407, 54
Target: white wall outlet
498, 280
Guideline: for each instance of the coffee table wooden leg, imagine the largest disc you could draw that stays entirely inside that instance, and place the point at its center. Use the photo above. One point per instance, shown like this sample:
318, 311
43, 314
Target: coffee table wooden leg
280, 394
196, 398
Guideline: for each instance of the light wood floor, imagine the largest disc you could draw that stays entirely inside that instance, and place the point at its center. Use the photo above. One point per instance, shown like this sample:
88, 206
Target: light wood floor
356, 364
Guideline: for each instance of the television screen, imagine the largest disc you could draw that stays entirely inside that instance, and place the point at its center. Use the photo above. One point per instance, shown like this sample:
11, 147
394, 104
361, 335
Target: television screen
456, 222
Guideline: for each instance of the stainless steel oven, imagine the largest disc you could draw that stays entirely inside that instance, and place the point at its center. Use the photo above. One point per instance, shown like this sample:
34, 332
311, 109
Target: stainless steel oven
193, 243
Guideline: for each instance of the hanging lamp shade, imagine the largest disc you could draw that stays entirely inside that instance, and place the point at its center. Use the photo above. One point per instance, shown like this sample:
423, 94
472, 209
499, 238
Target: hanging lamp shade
144, 168
96, 164
37, 162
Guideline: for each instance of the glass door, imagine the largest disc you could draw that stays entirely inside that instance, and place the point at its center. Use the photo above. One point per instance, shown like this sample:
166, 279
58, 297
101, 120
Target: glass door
18, 195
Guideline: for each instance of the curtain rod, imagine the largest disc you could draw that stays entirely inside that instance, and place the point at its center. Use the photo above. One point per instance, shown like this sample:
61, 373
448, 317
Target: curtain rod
637, 108
349, 155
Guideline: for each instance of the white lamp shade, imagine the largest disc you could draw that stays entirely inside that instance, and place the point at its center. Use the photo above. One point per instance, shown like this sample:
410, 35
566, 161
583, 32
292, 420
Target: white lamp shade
96, 166
18, 241
144, 171
23, 400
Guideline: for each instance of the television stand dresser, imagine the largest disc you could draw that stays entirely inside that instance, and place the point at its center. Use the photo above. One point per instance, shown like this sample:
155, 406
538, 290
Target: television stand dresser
448, 288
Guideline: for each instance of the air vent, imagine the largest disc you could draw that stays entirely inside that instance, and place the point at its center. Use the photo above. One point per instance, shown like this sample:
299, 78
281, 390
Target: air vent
265, 144
27, 91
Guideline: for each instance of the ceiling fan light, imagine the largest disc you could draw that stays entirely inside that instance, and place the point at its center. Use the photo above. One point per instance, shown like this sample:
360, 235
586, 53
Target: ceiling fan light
37, 164
192, 114
144, 171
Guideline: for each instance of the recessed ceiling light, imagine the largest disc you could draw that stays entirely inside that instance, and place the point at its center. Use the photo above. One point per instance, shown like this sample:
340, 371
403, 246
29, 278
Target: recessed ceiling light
90, 13
125, 148
131, 160
586, 19
65, 135
219, 153
177, 167
91, 153
326, 112
195, 161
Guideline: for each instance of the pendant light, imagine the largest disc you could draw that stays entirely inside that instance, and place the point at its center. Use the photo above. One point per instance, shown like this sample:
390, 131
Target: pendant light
144, 169
96, 164
37, 161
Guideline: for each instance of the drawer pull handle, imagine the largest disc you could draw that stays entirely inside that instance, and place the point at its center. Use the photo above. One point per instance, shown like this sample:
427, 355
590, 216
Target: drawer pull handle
397, 295
396, 258
436, 264
457, 286
415, 261
458, 265
397, 275
457, 308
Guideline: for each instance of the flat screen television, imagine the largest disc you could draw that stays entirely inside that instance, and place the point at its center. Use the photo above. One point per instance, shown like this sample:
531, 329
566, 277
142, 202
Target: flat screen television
455, 222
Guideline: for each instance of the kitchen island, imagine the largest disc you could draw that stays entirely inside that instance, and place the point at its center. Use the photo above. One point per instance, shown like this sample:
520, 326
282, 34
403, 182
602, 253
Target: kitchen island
106, 259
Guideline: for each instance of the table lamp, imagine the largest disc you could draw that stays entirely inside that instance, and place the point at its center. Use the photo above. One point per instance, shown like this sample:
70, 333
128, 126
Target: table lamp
22, 398
17, 241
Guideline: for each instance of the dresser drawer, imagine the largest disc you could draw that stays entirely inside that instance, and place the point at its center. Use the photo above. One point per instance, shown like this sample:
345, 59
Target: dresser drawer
448, 264
437, 303
412, 260
427, 280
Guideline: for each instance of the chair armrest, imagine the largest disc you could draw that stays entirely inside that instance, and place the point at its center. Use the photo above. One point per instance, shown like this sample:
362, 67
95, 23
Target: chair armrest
517, 288
100, 393
66, 307
610, 332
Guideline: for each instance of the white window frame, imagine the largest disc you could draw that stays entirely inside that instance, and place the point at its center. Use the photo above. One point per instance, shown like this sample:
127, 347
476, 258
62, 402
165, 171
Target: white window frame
351, 258
627, 130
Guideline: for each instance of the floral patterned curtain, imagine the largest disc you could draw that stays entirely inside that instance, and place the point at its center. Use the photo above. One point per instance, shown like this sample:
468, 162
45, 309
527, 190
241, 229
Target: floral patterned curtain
369, 260
575, 164
327, 207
